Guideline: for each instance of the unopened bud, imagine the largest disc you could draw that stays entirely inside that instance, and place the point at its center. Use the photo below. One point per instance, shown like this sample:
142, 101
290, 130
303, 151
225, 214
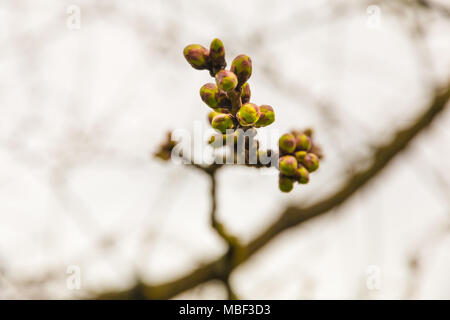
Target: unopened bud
285, 184
226, 80
245, 93
286, 142
209, 93
303, 142
301, 175
248, 114
222, 122
197, 56
211, 116
242, 67
311, 162
216, 111
300, 155
287, 165
217, 54
266, 117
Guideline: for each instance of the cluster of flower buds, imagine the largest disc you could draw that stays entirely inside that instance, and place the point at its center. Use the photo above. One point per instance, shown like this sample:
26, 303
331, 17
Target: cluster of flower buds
298, 158
229, 96
165, 148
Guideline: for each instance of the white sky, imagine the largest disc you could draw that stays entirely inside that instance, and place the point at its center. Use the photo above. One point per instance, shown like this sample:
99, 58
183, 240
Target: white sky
81, 110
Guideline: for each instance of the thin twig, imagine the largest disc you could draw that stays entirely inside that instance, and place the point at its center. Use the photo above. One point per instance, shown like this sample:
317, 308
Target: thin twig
292, 216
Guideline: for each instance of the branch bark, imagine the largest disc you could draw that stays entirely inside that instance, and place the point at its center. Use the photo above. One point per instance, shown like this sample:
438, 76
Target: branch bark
292, 216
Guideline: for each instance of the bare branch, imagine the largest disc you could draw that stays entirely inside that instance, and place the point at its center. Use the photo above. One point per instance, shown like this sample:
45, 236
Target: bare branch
291, 216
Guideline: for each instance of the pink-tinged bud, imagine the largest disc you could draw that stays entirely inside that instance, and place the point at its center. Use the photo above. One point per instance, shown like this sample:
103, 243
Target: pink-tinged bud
310, 162
286, 143
267, 116
300, 155
248, 114
211, 116
285, 184
303, 142
287, 165
226, 80
217, 54
217, 111
197, 56
242, 67
210, 94
301, 175
245, 93
222, 122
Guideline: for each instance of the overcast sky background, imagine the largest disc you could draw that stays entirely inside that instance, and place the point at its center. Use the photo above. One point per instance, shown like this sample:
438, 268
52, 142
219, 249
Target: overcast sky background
81, 110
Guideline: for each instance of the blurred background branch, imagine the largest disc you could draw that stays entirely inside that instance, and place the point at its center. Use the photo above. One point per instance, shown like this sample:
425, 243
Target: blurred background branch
82, 107
292, 216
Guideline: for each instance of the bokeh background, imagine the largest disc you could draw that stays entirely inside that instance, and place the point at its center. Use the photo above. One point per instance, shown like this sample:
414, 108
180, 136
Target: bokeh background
88, 90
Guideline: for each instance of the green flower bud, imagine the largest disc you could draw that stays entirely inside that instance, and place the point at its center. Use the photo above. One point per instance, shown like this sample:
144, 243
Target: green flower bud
301, 175
242, 67
226, 80
286, 143
285, 183
267, 116
222, 122
217, 53
300, 155
287, 165
209, 94
311, 162
197, 56
248, 114
303, 142
245, 93
216, 111
211, 116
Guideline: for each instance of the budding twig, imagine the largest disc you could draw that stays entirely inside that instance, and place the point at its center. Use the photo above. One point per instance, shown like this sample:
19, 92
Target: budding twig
292, 216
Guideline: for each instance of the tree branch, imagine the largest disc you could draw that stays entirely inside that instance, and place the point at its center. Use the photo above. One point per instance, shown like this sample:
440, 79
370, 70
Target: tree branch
291, 216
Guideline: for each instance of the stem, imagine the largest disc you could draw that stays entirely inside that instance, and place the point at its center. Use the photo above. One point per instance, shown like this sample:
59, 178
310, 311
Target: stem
235, 98
231, 240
